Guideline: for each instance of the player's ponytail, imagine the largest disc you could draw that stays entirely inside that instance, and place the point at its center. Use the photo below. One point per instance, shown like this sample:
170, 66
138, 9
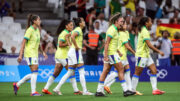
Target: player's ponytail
114, 18
142, 22
62, 26
31, 19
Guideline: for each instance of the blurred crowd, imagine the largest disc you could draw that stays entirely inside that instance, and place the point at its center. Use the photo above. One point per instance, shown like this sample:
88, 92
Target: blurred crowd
96, 14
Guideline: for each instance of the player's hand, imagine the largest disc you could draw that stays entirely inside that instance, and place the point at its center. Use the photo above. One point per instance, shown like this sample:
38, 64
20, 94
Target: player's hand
92, 48
19, 59
120, 54
45, 55
77, 48
161, 53
106, 58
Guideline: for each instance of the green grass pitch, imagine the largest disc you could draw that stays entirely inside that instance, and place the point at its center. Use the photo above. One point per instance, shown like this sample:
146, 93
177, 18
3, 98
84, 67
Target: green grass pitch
172, 93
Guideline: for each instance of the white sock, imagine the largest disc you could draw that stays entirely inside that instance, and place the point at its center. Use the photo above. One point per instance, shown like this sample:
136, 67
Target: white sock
110, 79
123, 84
153, 80
33, 81
74, 83
82, 79
24, 79
63, 79
100, 86
49, 83
135, 80
128, 79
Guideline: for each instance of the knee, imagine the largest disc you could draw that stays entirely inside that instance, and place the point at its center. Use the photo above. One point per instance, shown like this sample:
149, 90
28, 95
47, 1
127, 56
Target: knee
154, 71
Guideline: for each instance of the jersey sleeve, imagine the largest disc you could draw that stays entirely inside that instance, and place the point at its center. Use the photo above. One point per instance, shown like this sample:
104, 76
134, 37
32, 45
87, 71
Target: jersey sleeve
110, 33
28, 34
146, 35
62, 37
124, 38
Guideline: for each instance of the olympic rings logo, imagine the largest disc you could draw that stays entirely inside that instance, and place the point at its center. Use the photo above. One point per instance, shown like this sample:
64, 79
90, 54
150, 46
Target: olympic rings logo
160, 73
45, 73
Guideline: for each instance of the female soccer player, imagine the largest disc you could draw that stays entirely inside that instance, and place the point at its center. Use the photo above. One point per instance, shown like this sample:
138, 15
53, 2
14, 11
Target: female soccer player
143, 58
65, 27
75, 59
111, 56
30, 46
122, 47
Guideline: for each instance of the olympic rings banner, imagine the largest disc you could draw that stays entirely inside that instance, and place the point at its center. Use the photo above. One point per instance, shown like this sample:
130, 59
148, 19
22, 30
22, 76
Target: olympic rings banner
92, 73
12, 73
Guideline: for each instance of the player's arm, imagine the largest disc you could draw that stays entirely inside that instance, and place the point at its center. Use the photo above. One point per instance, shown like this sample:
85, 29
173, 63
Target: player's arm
129, 48
153, 48
106, 48
73, 36
41, 50
22, 50
67, 39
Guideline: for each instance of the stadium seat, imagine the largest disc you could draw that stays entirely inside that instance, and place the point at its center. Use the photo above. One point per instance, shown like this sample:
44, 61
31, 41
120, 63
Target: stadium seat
15, 27
7, 19
3, 27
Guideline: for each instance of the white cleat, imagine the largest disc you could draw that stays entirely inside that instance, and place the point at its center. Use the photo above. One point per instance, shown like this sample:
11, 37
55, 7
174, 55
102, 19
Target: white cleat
88, 93
57, 92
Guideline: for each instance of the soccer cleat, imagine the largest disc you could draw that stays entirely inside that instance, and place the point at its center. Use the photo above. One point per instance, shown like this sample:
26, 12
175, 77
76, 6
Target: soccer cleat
138, 93
78, 93
128, 93
57, 92
88, 93
100, 94
107, 89
16, 88
36, 94
158, 92
45, 91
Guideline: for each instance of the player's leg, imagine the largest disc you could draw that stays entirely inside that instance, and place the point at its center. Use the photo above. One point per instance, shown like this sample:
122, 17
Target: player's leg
153, 78
127, 77
119, 67
69, 73
58, 68
34, 70
100, 88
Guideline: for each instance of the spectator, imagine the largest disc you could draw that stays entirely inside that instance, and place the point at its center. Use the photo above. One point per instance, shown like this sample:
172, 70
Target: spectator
2, 50
128, 20
91, 41
176, 14
50, 49
139, 16
97, 28
103, 23
164, 44
151, 8
4, 8
153, 29
91, 16
142, 4
115, 6
176, 49
131, 5
173, 21
20, 5
13, 50
81, 8
168, 8
45, 36
99, 5
70, 8
159, 9
133, 33
89, 4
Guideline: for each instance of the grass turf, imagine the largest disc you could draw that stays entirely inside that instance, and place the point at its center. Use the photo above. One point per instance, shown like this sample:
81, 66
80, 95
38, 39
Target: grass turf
172, 93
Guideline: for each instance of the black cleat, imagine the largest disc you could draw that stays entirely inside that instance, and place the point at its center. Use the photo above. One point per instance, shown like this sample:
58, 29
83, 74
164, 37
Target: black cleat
128, 93
100, 94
